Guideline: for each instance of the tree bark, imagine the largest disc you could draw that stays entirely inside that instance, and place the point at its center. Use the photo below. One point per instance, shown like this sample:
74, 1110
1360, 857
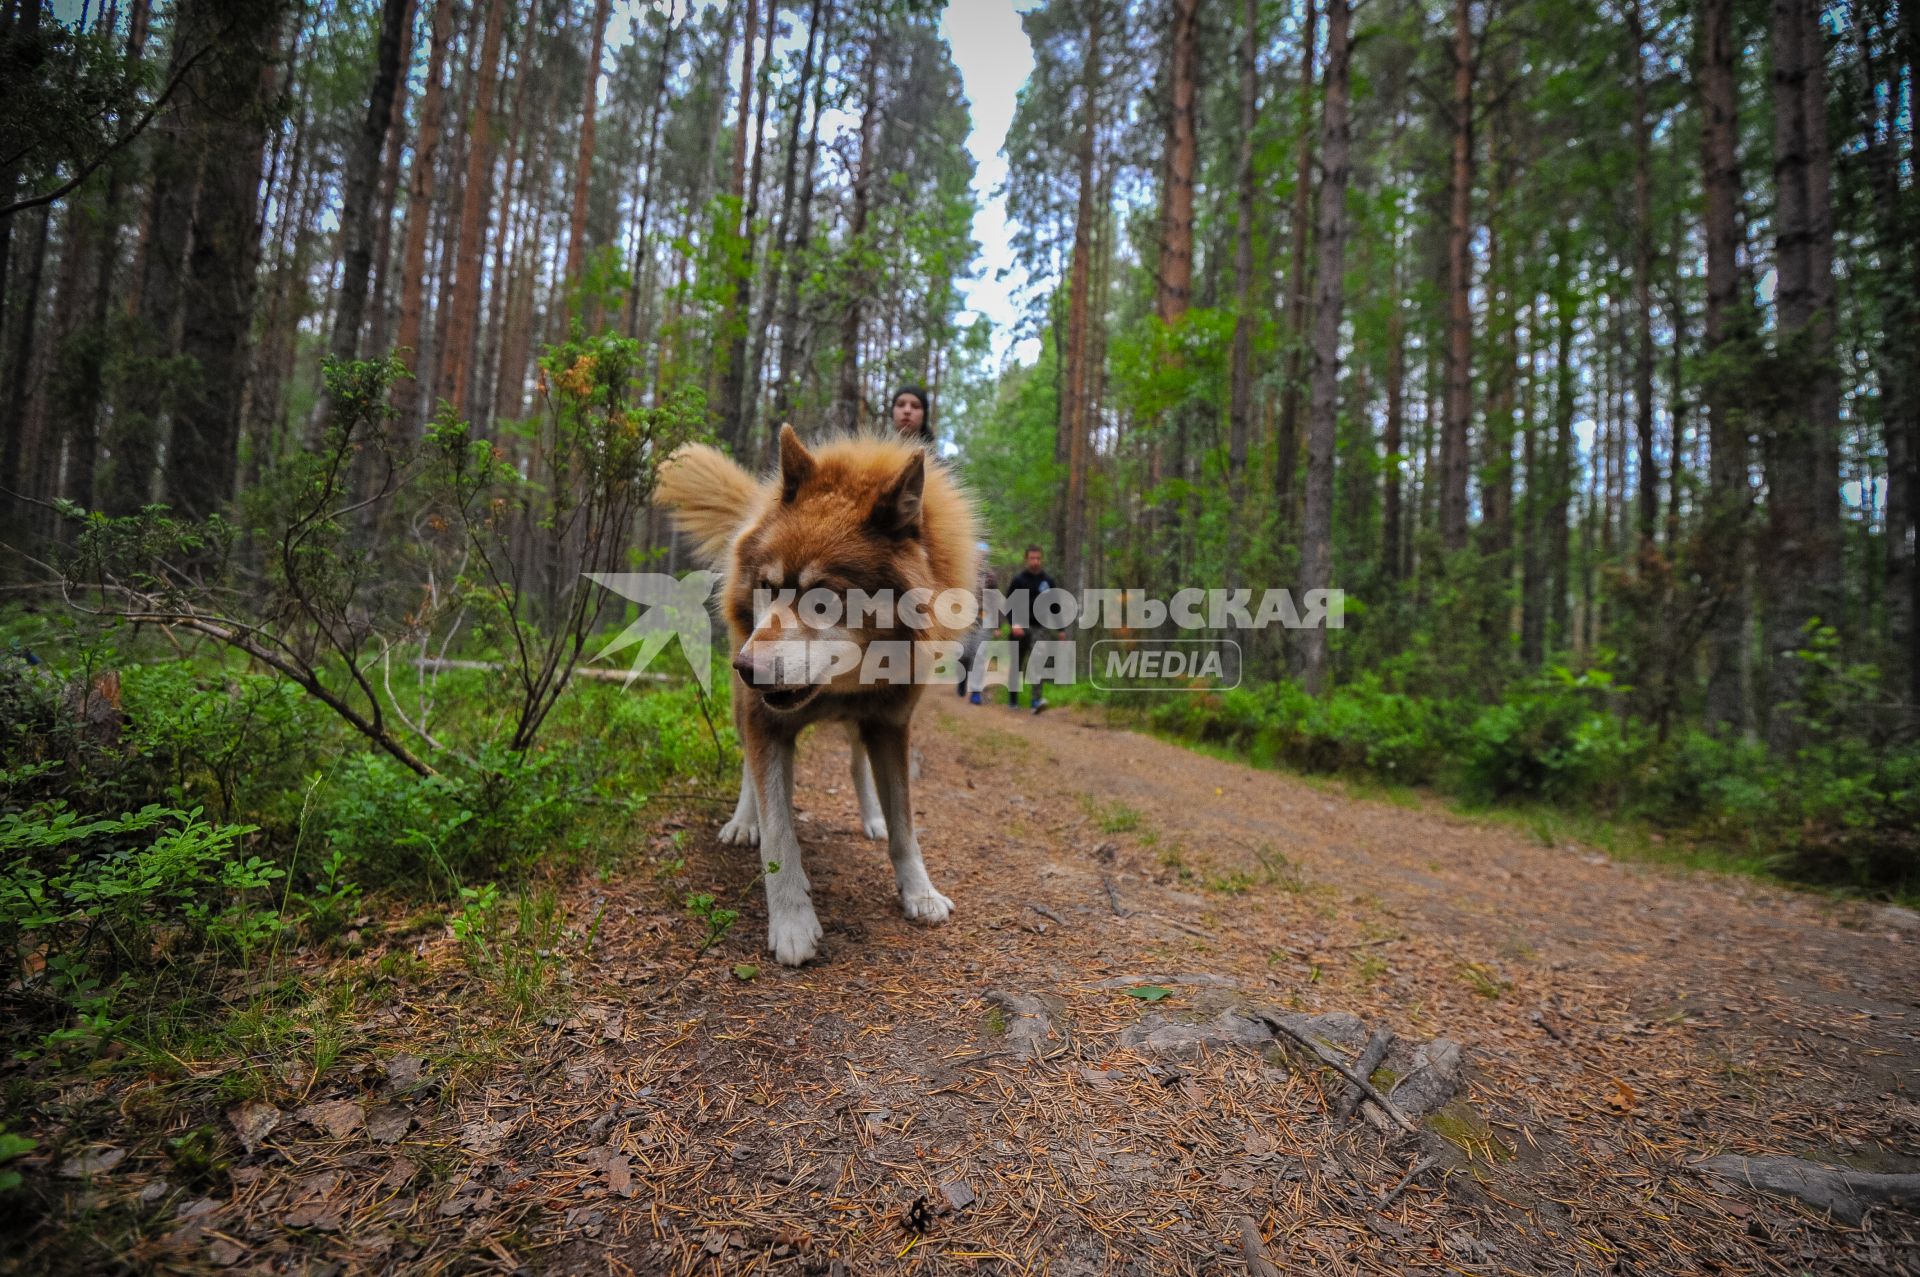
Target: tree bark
380, 326
231, 93
1287, 445
736, 403
363, 168
1455, 459
577, 223
1648, 472
456, 350
1896, 223
1074, 402
1329, 302
1393, 442
797, 245
1240, 410
640, 301
1803, 574
16, 452
1559, 570
1175, 273
852, 401
1727, 325
786, 270
135, 426
413, 256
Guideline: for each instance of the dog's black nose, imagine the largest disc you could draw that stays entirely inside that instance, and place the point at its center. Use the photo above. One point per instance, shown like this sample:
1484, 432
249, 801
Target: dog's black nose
744, 663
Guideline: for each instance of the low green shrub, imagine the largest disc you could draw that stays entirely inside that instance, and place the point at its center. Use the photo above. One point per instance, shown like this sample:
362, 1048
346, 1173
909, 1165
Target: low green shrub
1555, 736
1845, 810
1359, 728
84, 900
492, 816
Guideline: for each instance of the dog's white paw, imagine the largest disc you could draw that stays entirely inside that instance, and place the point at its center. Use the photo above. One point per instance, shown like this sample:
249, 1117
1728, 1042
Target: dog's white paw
793, 935
926, 905
740, 832
875, 827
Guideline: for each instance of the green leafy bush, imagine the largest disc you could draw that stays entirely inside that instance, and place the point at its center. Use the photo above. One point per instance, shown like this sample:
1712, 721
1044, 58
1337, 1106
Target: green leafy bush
493, 817
1555, 736
84, 900
1844, 810
1354, 729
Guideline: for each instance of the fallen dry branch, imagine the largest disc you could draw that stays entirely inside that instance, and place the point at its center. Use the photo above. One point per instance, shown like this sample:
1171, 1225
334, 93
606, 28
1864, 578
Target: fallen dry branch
1377, 1047
1414, 1172
1339, 1066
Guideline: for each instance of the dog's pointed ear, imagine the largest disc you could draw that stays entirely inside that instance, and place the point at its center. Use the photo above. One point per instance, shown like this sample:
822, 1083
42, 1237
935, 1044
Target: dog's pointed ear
796, 464
897, 512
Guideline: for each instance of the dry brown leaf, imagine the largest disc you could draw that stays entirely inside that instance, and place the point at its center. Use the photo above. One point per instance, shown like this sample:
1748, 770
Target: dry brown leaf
253, 1121
96, 1162
1623, 1099
337, 1118
483, 1137
388, 1123
619, 1172
322, 1216
404, 1070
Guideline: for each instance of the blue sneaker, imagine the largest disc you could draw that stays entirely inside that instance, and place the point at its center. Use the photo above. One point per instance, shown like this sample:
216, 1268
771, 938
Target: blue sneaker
975, 698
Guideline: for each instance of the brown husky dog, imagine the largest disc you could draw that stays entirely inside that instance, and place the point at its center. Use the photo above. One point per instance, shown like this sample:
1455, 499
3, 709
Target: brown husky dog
853, 515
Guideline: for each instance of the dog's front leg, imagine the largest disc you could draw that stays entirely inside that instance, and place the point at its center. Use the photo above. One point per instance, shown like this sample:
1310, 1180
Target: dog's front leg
744, 829
873, 821
793, 930
887, 748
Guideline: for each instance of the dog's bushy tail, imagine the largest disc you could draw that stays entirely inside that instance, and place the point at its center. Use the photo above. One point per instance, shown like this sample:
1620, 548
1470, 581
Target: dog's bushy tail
711, 497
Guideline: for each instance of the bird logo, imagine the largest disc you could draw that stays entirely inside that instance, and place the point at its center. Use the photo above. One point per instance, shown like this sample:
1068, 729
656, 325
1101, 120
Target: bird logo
670, 608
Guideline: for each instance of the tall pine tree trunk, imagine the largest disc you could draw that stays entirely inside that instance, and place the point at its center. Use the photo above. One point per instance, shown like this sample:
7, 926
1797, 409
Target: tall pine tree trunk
1074, 403
1240, 409
583, 170
1727, 327
1455, 459
1647, 510
1393, 441
785, 269
798, 244
1287, 446
231, 94
463, 316
852, 401
736, 409
1316, 532
1174, 284
380, 327
413, 256
643, 259
363, 169
1559, 570
1802, 456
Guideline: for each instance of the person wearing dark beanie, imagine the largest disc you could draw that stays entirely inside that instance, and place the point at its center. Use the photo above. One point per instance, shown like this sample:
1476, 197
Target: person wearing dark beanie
912, 414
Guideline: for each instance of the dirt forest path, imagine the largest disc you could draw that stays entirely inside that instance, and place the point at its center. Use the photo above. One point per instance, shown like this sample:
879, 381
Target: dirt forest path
1618, 1024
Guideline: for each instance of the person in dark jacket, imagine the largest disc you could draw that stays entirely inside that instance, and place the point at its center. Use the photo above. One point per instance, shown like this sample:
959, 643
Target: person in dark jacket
913, 415
1023, 598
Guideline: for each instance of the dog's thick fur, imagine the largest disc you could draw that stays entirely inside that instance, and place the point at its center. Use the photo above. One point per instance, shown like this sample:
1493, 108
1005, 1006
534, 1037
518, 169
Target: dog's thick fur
854, 513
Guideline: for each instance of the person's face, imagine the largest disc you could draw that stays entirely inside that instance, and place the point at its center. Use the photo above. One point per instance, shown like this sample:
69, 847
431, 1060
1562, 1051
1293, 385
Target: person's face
908, 415
1033, 560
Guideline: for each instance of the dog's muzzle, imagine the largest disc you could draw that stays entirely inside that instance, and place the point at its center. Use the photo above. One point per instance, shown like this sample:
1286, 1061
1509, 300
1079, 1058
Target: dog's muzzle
776, 693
